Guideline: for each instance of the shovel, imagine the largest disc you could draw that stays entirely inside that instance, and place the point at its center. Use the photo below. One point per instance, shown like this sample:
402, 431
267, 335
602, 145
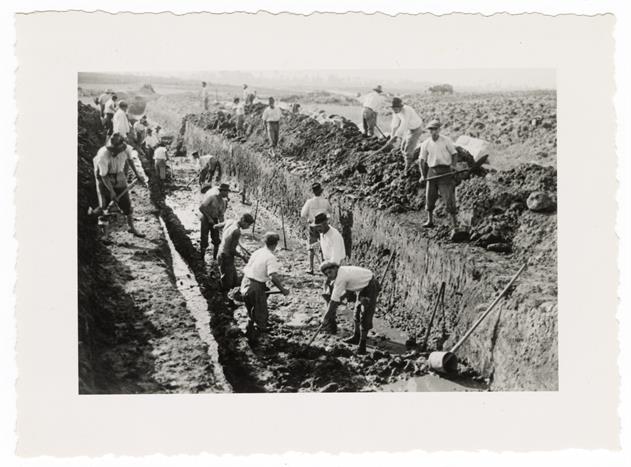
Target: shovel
476, 165
439, 300
98, 210
447, 362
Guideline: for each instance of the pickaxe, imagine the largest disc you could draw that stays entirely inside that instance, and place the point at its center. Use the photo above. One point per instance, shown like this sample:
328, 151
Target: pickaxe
99, 210
476, 165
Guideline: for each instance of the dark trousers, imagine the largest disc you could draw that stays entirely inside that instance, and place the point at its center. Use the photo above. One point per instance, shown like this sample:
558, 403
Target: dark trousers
366, 305
273, 129
445, 186
255, 302
369, 120
228, 275
109, 123
207, 228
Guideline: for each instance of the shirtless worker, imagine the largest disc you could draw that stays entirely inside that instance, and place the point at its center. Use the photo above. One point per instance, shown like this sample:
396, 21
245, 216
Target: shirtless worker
358, 280
262, 266
212, 209
110, 170
313, 206
228, 250
209, 167
438, 158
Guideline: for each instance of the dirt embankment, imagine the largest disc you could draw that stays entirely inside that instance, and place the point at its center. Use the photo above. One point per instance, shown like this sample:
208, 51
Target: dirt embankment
136, 334
516, 347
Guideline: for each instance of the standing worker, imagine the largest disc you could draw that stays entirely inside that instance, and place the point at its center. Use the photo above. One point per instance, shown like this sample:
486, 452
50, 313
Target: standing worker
204, 95
150, 142
271, 117
209, 167
331, 240
438, 158
310, 209
212, 209
262, 266
373, 102
110, 110
120, 122
160, 158
239, 115
228, 250
140, 128
358, 280
408, 126
102, 100
110, 170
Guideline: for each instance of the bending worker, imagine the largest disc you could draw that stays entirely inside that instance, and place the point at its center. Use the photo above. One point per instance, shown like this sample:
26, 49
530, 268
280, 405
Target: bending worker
407, 126
212, 209
209, 167
228, 250
353, 279
438, 158
263, 266
110, 169
310, 209
373, 102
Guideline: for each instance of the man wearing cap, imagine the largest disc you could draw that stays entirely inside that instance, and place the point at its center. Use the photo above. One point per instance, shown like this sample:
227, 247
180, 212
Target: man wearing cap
209, 167
358, 280
437, 158
271, 117
407, 126
110, 110
120, 122
228, 250
110, 170
373, 102
212, 209
310, 209
262, 266
160, 158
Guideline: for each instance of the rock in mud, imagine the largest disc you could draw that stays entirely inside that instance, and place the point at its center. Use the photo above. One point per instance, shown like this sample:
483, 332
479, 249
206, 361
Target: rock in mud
539, 201
499, 247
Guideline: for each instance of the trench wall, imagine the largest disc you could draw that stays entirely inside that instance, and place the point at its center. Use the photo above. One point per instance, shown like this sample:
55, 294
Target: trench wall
516, 347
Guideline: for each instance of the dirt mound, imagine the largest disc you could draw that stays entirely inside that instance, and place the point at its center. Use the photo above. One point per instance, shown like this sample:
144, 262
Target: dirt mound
320, 97
147, 89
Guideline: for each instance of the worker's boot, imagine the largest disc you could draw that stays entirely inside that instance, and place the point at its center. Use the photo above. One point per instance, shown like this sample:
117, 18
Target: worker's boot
361, 349
430, 220
215, 251
202, 253
354, 339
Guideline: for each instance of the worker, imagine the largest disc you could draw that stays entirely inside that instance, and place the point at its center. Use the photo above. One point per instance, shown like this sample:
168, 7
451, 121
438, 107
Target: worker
160, 158
310, 209
150, 142
110, 109
407, 126
239, 115
373, 102
437, 157
271, 117
331, 240
262, 266
357, 280
140, 128
295, 108
228, 250
209, 167
110, 170
120, 122
103, 99
204, 95
212, 209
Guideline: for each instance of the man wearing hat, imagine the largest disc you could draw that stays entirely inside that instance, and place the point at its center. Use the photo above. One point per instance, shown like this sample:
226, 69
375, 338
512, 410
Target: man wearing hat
110, 171
228, 250
373, 102
357, 280
110, 110
208, 166
407, 125
262, 266
140, 128
331, 240
313, 206
120, 122
437, 158
271, 117
212, 209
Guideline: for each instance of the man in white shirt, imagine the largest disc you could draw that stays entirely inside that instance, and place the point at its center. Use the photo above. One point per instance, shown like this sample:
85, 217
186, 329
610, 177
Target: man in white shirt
140, 128
373, 102
150, 142
331, 240
120, 123
110, 110
160, 158
262, 266
208, 167
271, 117
313, 206
103, 100
437, 158
239, 115
407, 126
110, 170
204, 95
360, 281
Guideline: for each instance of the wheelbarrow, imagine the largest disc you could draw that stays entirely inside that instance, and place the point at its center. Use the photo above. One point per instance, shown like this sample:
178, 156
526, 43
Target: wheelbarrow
447, 362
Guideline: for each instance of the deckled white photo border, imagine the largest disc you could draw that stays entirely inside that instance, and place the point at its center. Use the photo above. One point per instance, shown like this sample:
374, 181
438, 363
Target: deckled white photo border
54, 419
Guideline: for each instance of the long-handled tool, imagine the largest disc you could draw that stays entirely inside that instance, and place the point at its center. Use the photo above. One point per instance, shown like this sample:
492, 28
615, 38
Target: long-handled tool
282, 223
476, 165
447, 362
256, 213
440, 299
99, 210
381, 132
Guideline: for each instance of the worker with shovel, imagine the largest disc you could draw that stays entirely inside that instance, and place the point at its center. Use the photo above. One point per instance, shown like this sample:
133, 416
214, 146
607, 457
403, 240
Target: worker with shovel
373, 102
212, 209
228, 250
160, 158
312, 207
358, 280
209, 167
262, 266
437, 159
110, 170
407, 126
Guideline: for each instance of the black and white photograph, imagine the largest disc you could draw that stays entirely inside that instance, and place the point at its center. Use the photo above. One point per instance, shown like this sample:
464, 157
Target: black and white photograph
317, 231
